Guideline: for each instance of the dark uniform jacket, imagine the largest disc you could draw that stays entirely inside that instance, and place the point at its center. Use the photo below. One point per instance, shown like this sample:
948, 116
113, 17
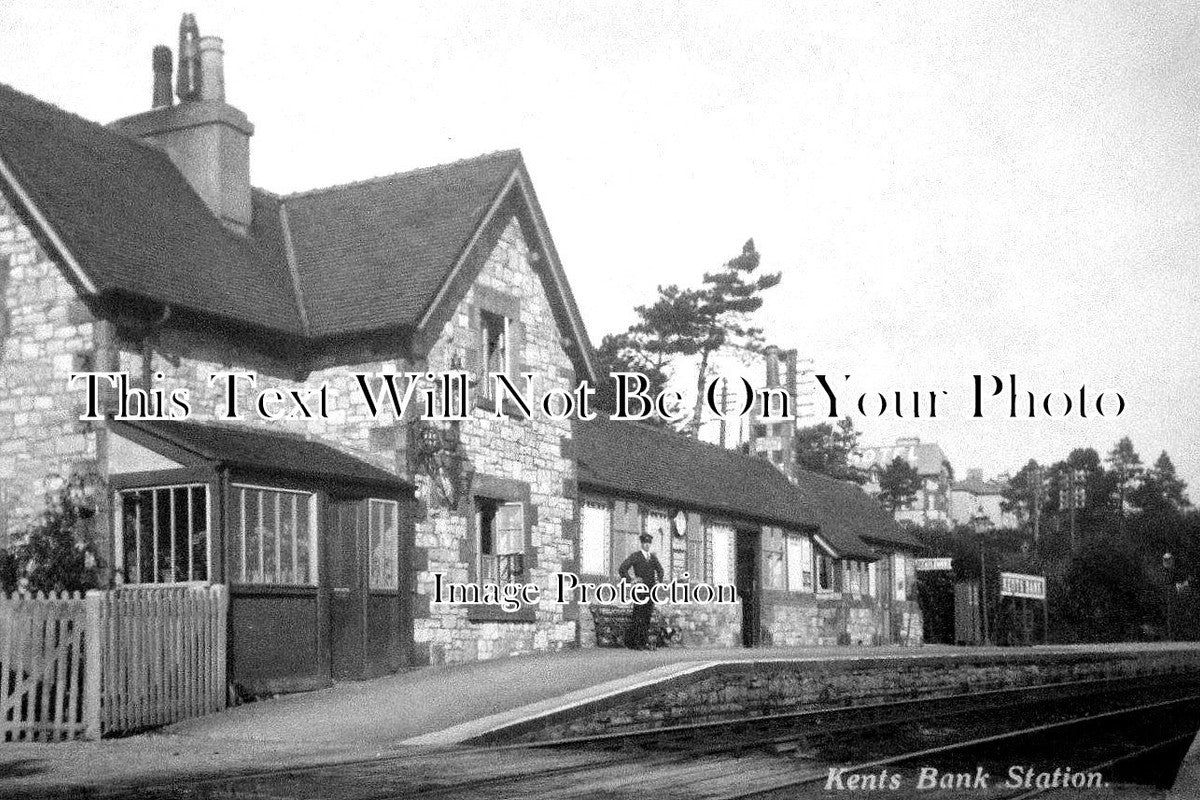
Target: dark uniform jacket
649, 570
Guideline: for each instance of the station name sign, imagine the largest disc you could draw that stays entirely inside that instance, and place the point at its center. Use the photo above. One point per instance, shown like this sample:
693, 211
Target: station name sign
1014, 584
934, 564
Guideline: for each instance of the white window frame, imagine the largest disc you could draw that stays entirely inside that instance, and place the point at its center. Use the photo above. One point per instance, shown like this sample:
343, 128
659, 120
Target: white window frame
776, 580
872, 579
486, 378
119, 533
658, 524
594, 546
899, 577
372, 504
239, 535
721, 539
799, 552
482, 557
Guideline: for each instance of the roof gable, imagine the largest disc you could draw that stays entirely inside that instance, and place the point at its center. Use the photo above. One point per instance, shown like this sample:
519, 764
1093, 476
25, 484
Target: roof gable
379, 250
129, 219
383, 254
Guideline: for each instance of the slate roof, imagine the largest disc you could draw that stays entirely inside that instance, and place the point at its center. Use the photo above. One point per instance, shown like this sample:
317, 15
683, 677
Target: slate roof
133, 222
368, 255
637, 460
269, 451
379, 250
847, 508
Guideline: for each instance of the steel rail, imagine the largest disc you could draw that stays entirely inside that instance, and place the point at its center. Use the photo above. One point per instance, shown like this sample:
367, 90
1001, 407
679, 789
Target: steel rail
961, 745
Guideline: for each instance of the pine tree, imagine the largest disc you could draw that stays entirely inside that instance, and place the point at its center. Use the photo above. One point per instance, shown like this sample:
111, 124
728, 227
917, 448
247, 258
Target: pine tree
898, 484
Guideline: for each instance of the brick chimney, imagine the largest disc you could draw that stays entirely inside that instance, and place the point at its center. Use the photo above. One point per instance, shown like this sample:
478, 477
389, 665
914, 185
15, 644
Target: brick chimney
207, 139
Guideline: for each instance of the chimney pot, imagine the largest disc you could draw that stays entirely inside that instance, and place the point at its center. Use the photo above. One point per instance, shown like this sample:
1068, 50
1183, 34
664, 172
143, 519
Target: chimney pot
212, 68
190, 78
771, 354
207, 139
162, 77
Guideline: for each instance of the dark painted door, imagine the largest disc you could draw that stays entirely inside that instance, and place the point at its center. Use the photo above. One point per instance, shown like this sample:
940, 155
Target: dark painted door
347, 635
885, 591
747, 567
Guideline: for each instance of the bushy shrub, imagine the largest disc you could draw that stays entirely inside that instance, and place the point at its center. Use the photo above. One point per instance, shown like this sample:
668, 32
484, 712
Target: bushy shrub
58, 551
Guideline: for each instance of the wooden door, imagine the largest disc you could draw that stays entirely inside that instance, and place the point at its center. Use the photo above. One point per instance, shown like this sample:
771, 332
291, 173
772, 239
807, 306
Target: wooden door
347, 600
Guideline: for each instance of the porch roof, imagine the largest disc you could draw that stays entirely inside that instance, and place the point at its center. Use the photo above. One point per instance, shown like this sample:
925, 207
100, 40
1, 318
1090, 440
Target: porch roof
265, 451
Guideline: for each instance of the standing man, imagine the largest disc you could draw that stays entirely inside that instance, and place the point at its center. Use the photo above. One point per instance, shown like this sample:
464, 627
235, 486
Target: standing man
645, 568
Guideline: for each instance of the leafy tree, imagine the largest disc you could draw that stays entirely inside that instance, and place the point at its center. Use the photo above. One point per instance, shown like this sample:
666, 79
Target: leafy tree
58, 552
1023, 491
630, 352
700, 322
829, 450
898, 484
1126, 469
1161, 488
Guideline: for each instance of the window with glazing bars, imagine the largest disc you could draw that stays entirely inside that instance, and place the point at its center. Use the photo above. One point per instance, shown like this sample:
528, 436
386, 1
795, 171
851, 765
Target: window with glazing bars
164, 533
384, 532
274, 536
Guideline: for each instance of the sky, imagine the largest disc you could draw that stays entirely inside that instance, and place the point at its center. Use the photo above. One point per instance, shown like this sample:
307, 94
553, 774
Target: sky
948, 189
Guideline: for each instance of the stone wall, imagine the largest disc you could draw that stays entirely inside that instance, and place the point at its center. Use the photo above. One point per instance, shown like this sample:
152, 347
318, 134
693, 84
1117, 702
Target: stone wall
824, 620
739, 689
527, 454
46, 333
531, 455
710, 625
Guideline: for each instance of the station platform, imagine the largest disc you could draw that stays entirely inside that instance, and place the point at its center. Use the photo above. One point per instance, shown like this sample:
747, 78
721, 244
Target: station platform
455, 703
555, 695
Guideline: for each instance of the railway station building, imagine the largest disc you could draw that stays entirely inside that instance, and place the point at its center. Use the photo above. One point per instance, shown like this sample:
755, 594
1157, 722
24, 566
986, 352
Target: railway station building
142, 247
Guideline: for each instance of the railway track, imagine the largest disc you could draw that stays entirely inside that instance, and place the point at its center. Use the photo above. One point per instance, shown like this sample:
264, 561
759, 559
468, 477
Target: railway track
783, 755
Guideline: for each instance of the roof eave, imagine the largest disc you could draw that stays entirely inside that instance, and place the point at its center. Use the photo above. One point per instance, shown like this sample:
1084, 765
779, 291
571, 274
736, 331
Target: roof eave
44, 228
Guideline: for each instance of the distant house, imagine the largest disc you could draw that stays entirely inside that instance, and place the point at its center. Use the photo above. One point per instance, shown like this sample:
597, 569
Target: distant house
142, 247
977, 502
932, 501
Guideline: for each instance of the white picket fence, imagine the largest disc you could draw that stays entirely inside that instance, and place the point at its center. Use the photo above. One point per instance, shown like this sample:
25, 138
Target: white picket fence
110, 661
42, 675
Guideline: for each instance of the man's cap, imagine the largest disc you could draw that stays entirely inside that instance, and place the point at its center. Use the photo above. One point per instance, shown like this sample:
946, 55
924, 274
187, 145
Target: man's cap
645, 537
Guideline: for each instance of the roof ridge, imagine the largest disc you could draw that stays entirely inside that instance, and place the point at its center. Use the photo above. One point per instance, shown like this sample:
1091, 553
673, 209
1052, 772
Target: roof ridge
79, 118
402, 174
683, 436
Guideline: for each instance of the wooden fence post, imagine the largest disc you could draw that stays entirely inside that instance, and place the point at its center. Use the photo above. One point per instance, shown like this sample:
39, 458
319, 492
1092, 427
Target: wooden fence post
93, 664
